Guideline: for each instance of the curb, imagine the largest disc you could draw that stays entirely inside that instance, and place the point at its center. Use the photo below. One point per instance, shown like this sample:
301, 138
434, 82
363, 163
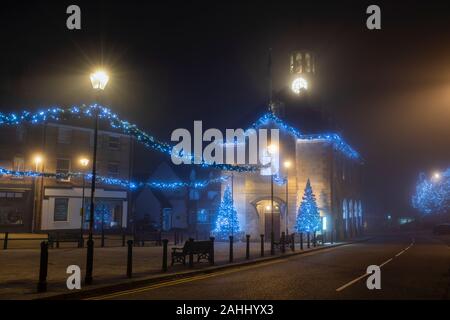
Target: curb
101, 290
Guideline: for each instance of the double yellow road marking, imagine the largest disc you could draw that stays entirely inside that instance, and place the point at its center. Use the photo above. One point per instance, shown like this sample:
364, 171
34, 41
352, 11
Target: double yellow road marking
181, 281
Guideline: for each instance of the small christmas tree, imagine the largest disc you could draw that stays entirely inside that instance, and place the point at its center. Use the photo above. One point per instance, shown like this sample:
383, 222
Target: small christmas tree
308, 217
227, 222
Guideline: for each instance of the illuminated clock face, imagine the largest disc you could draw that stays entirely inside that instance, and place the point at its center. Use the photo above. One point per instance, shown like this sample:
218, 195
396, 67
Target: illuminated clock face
298, 85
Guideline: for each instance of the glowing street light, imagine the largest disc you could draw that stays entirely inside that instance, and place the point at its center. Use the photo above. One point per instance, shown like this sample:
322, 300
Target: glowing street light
38, 159
84, 163
99, 80
299, 85
437, 175
287, 165
272, 149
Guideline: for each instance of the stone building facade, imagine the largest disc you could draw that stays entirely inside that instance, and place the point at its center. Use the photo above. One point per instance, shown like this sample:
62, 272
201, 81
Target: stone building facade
33, 204
334, 170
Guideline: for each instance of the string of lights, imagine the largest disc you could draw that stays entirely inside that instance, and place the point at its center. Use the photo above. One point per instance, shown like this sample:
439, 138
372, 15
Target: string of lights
337, 142
118, 182
149, 141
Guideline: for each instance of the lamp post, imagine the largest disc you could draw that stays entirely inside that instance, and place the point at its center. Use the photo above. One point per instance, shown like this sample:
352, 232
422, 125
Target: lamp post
37, 160
287, 165
99, 79
271, 149
84, 163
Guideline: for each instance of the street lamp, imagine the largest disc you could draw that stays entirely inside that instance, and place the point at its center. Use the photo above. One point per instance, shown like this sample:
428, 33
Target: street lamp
38, 161
287, 165
272, 149
99, 80
84, 163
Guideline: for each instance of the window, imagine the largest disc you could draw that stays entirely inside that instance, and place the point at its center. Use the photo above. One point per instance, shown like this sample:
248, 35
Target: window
63, 167
61, 209
10, 195
202, 216
113, 169
167, 219
107, 214
113, 142
308, 62
18, 165
212, 195
194, 194
13, 207
20, 133
64, 135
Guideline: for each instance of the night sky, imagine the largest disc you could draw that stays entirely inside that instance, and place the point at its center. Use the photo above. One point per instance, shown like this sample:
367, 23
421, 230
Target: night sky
173, 62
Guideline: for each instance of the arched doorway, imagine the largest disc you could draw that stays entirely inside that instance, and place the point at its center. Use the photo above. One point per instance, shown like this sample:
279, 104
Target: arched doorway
264, 209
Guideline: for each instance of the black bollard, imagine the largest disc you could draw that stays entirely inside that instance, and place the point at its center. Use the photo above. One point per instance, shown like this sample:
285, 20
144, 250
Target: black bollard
103, 238
247, 248
301, 240
231, 249
5, 241
262, 245
43, 268
293, 241
130, 258
164, 262
89, 262
283, 242
191, 254
331, 237
308, 240
272, 243
314, 239
211, 254
81, 243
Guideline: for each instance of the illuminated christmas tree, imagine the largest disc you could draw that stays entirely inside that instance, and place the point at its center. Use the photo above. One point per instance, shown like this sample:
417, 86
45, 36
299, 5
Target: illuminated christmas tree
432, 195
308, 217
227, 222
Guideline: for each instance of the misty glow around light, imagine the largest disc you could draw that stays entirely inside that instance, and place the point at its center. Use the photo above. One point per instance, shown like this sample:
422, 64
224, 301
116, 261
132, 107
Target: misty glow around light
37, 159
84, 162
99, 79
298, 85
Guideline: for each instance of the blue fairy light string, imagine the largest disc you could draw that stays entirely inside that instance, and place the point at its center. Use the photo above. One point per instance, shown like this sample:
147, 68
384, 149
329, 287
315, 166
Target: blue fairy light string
131, 185
149, 141
336, 140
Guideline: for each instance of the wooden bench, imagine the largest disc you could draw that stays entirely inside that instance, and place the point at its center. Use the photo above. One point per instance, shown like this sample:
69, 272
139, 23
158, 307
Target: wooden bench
204, 249
57, 237
288, 239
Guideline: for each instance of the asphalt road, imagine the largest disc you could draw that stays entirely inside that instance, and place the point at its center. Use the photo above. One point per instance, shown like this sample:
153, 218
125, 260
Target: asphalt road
412, 267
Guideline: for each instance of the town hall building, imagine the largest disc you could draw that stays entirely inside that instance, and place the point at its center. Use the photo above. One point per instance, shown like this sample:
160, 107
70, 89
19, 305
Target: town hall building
307, 150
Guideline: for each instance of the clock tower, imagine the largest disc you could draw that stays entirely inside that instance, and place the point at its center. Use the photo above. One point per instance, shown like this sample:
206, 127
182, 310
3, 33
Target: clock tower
298, 101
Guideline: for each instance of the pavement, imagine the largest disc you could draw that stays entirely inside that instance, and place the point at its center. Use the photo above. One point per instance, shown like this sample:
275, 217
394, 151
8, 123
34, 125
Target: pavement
20, 267
413, 266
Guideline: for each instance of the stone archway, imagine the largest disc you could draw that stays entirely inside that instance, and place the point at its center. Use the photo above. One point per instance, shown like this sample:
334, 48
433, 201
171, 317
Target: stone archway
264, 211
